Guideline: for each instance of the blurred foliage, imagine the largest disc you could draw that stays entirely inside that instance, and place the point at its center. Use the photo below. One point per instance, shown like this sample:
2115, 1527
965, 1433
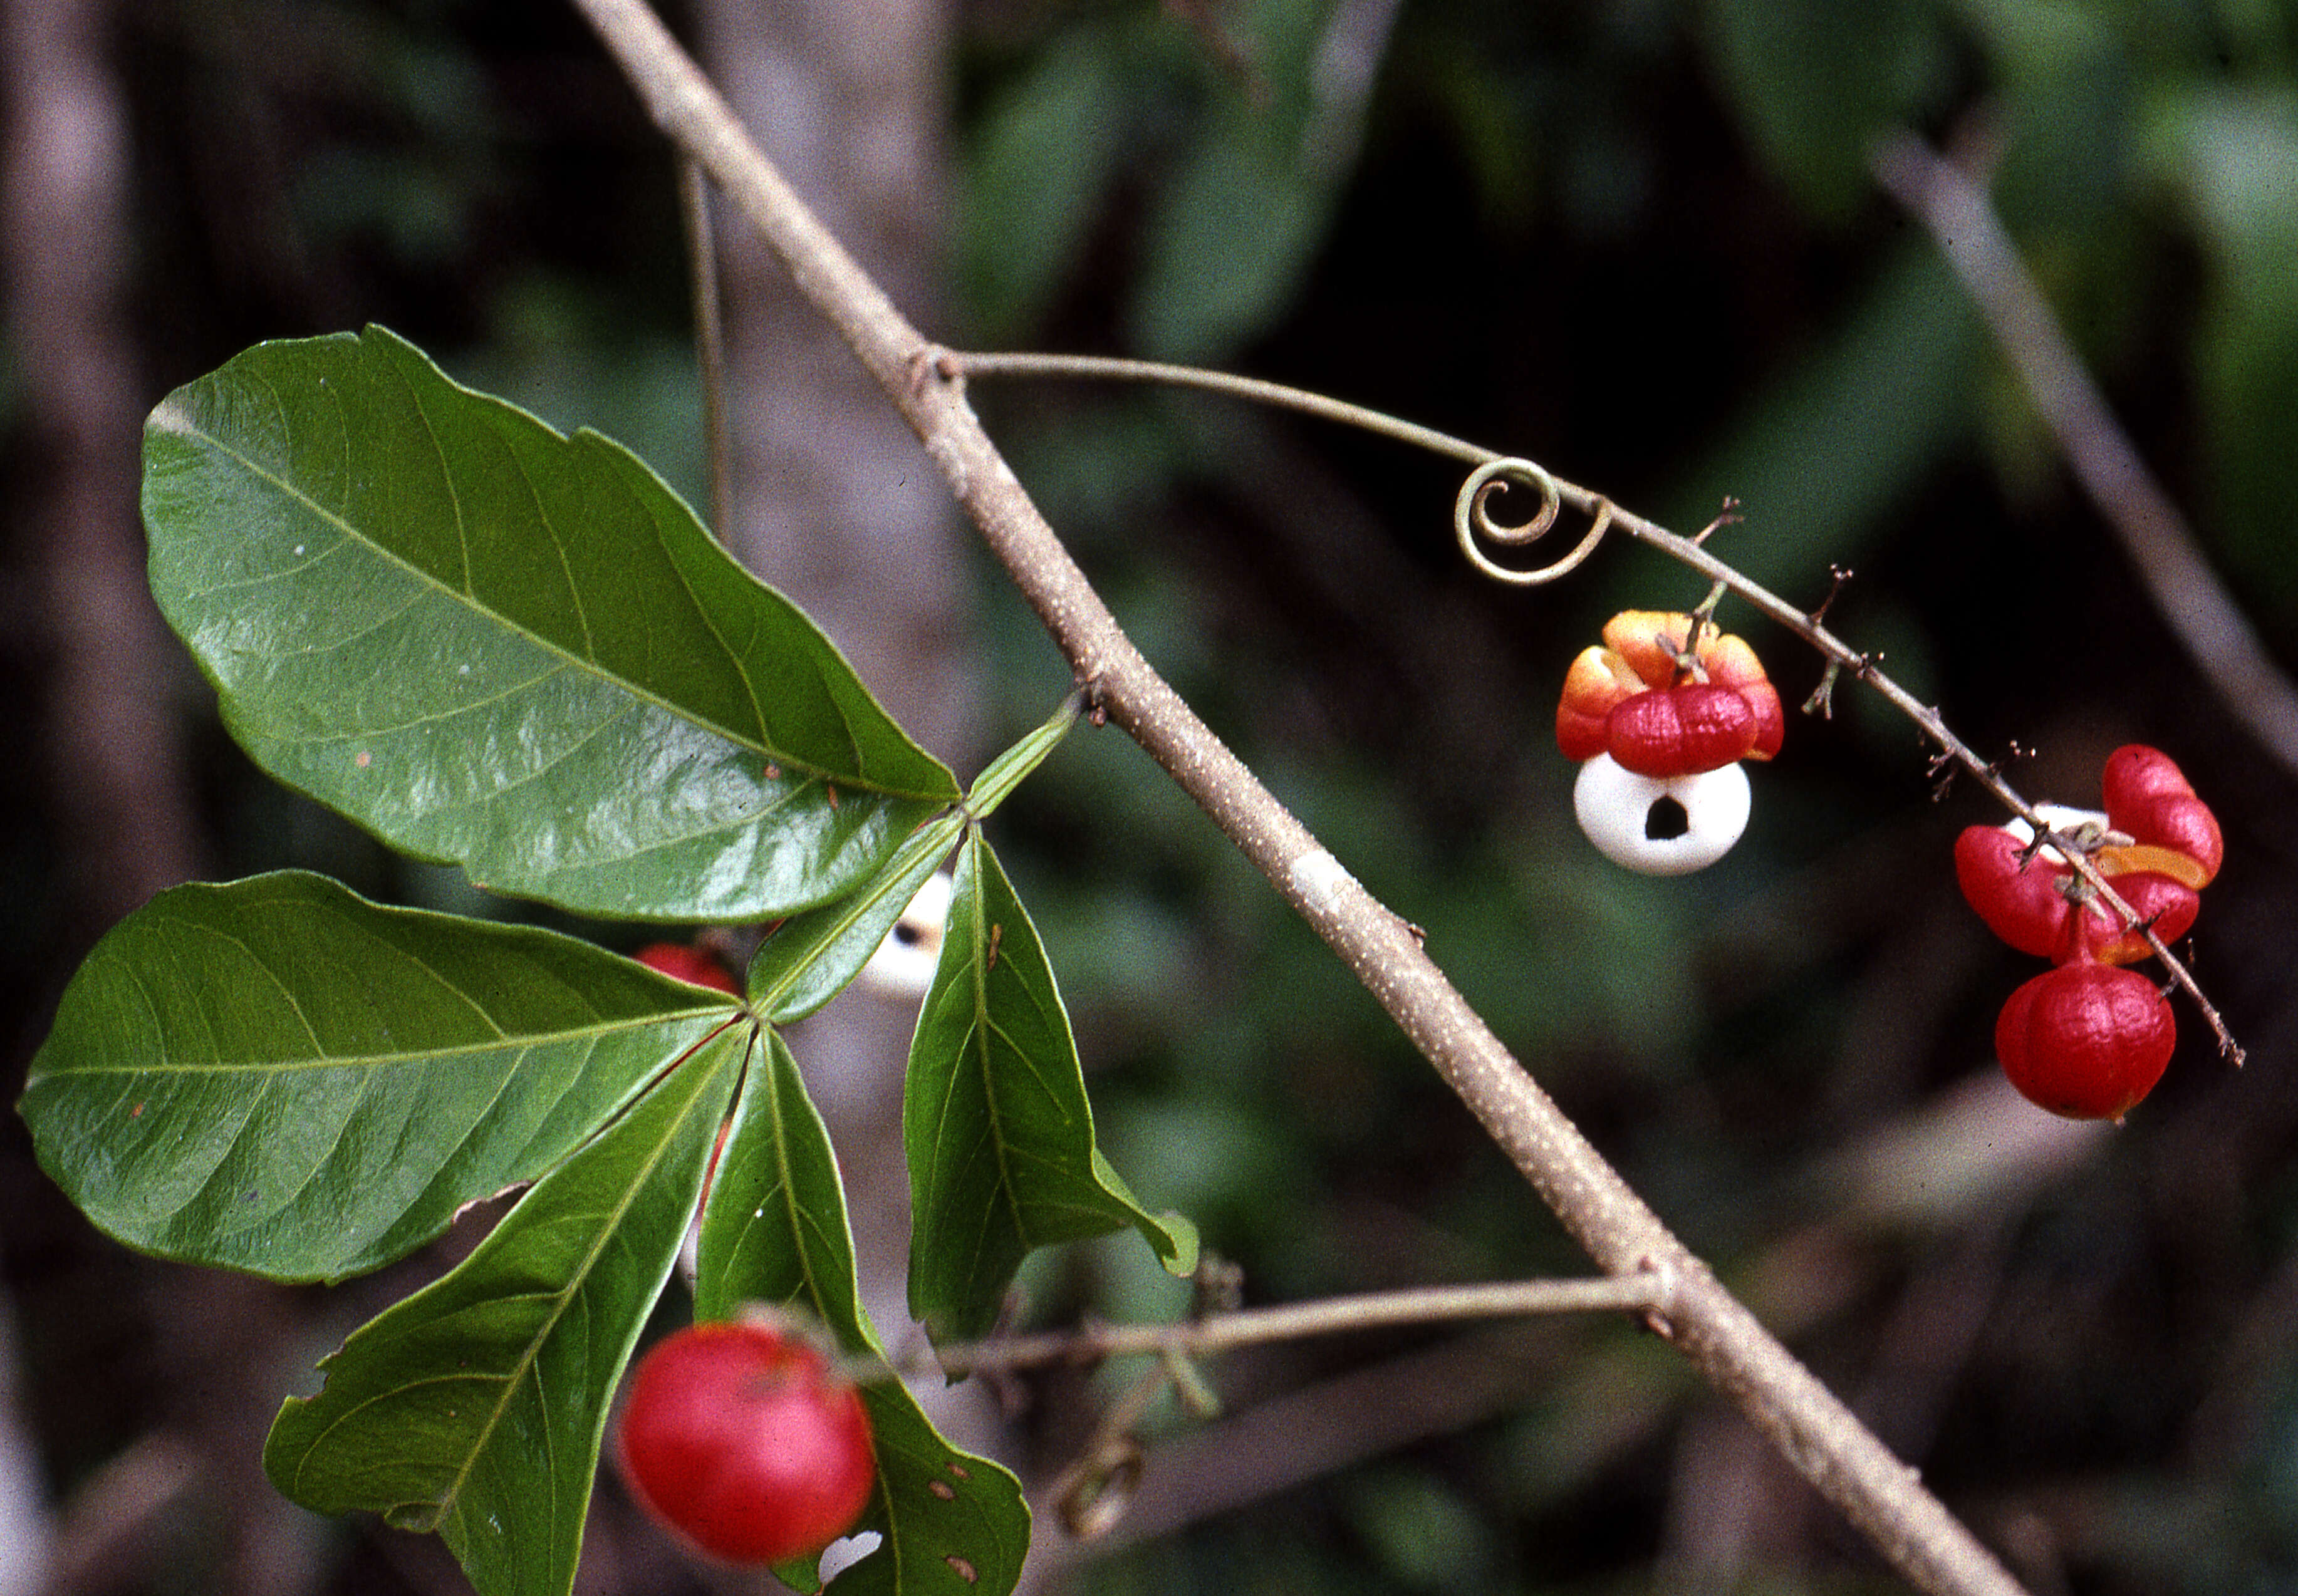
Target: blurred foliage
1635, 239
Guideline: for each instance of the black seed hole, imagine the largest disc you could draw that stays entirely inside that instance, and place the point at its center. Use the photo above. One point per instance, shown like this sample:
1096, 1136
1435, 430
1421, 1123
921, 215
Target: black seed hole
1665, 820
908, 935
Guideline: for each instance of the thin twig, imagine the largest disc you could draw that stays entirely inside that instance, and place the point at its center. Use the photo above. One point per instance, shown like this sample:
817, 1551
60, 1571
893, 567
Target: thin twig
1840, 655
1112, 368
1812, 1428
1330, 1316
709, 336
2186, 592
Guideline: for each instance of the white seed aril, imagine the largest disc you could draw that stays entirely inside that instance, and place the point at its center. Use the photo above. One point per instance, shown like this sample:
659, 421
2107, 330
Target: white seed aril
904, 965
1661, 826
2062, 818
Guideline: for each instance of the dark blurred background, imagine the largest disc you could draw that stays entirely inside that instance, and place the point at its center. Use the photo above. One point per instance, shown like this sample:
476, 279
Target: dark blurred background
1638, 240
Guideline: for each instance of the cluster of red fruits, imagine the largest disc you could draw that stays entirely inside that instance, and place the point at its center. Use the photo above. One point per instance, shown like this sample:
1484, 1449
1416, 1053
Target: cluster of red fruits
1660, 714
2088, 1038
741, 1439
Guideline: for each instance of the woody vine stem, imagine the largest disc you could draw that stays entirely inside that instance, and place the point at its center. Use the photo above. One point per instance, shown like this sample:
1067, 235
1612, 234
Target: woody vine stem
1813, 1429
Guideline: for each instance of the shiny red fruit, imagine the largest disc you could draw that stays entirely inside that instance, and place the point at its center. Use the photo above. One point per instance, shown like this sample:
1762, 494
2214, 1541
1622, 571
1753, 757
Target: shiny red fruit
2169, 906
690, 965
2148, 796
741, 1439
2016, 894
2086, 1041
1686, 731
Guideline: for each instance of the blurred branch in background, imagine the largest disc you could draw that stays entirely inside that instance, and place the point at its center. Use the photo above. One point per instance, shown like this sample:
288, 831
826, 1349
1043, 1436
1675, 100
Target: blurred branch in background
113, 761
2201, 614
27, 1537
110, 762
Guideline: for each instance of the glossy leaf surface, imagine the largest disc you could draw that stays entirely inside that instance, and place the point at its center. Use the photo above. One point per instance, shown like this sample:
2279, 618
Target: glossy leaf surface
517, 650
996, 1121
774, 1231
475, 1406
278, 1075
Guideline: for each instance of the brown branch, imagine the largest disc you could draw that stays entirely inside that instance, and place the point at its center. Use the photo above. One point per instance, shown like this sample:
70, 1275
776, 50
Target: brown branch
1815, 1430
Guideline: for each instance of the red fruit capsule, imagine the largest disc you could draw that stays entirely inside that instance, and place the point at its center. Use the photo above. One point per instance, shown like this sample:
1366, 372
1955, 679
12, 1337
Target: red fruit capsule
741, 1439
2093, 933
692, 965
2086, 1041
1732, 664
2148, 797
1650, 650
2017, 895
1598, 681
1672, 732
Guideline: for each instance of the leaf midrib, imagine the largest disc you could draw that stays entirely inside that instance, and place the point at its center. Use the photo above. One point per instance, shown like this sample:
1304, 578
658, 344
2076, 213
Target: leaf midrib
508, 1043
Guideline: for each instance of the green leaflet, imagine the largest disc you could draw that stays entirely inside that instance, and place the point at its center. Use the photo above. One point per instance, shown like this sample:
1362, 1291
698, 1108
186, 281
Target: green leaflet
475, 1406
279, 1076
775, 1232
810, 960
996, 1121
493, 644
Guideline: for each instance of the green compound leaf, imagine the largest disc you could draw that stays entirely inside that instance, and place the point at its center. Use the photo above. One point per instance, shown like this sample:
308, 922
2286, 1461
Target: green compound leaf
475, 1406
996, 1120
519, 651
774, 1231
279, 1076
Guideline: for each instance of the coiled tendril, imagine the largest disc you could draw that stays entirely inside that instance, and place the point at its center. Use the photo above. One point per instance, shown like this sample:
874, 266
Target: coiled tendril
1472, 521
